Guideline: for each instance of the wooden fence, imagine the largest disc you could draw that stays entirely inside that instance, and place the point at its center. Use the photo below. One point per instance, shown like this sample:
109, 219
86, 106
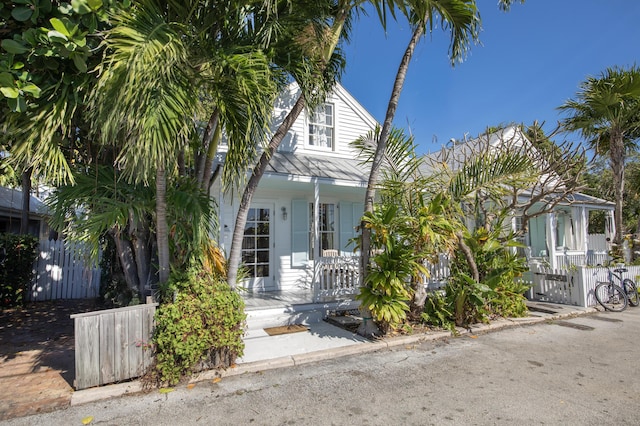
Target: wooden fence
113, 345
64, 271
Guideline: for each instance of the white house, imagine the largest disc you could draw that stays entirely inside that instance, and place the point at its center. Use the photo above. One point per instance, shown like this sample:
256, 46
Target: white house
308, 202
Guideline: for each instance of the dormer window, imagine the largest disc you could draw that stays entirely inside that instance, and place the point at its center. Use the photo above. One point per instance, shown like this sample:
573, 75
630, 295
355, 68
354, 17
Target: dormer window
321, 125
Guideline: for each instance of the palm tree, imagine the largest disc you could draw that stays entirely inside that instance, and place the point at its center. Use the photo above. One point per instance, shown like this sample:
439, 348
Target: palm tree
606, 112
462, 19
163, 56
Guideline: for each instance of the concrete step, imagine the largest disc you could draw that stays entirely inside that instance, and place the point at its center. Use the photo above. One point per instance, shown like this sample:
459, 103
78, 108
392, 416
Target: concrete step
308, 313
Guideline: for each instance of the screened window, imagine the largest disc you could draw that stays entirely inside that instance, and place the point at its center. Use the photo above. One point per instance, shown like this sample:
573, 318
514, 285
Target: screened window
321, 126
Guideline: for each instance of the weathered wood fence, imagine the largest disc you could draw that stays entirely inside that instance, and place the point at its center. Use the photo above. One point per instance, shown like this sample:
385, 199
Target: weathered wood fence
64, 271
113, 345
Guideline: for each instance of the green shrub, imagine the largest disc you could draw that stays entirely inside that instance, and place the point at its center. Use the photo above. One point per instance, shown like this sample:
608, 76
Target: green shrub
499, 291
17, 254
201, 328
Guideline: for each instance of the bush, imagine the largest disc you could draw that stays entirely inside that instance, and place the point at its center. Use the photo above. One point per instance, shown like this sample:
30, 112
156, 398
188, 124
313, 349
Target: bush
201, 328
17, 254
498, 293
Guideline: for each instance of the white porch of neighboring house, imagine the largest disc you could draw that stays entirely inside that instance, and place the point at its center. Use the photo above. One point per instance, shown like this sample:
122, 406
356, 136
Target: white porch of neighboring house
561, 239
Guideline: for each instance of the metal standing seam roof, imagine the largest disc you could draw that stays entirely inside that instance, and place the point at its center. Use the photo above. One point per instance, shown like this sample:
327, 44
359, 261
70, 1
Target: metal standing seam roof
11, 200
347, 169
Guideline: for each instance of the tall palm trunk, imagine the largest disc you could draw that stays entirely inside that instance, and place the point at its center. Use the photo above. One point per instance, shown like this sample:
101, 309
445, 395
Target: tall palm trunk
617, 157
210, 144
276, 139
250, 189
368, 328
162, 228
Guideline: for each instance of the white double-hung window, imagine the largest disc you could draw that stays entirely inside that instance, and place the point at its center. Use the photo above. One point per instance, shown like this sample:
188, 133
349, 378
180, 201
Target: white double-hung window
321, 126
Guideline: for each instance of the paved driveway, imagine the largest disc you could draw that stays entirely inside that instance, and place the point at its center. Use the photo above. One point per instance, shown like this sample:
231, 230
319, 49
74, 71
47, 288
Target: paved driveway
580, 371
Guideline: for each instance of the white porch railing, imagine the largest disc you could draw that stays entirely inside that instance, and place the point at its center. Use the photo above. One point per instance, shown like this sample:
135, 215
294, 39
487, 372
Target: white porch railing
336, 276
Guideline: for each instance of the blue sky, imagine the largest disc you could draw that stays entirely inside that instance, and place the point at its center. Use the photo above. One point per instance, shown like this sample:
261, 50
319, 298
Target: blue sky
530, 61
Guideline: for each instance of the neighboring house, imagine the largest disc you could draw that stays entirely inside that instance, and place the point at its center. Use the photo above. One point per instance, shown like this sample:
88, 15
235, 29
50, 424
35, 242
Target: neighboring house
11, 212
308, 202
559, 238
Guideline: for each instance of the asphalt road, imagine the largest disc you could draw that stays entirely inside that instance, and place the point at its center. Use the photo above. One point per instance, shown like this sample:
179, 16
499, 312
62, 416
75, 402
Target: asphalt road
579, 371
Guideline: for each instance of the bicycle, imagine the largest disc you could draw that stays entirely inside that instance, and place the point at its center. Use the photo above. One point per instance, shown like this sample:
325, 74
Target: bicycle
629, 286
613, 297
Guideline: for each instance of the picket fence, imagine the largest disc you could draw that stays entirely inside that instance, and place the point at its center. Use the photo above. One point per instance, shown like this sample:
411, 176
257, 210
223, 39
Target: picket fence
112, 345
571, 286
63, 270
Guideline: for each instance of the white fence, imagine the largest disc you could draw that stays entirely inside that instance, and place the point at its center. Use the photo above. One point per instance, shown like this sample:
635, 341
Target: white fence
572, 286
63, 271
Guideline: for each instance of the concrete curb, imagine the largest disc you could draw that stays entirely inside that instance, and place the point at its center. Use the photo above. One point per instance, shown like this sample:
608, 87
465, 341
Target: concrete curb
110, 391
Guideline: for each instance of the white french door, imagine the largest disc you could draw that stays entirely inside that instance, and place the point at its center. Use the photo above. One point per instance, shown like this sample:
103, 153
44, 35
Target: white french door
256, 247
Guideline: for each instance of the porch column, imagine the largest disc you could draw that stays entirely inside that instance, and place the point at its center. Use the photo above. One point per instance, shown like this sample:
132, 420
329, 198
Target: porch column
551, 239
585, 229
316, 219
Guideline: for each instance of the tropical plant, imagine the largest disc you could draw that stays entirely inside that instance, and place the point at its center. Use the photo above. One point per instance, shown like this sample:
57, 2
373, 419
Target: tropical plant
462, 20
101, 204
201, 328
386, 292
606, 112
496, 289
167, 60
47, 49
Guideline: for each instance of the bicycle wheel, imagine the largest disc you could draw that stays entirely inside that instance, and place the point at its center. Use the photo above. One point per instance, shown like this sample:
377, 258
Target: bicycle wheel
632, 291
611, 297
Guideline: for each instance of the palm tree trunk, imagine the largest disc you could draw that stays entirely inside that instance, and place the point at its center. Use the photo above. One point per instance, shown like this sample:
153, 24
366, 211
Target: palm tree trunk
205, 160
162, 228
250, 189
126, 256
617, 157
368, 328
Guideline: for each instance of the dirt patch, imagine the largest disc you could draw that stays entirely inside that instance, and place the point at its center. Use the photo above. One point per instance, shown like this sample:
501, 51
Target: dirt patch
45, 330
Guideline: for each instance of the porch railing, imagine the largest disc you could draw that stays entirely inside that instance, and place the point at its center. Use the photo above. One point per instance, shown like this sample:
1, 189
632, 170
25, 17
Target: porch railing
578, 258
336, 276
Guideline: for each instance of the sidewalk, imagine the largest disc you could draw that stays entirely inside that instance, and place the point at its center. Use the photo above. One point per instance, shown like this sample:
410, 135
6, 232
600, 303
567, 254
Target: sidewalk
28, 389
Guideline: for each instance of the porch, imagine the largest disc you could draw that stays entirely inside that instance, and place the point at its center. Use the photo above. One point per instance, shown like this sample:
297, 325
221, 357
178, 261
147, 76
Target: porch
335, 281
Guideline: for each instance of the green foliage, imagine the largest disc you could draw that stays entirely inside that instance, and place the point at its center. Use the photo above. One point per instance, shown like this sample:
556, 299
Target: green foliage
386, 292
499, 292
201, 328
17, 254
